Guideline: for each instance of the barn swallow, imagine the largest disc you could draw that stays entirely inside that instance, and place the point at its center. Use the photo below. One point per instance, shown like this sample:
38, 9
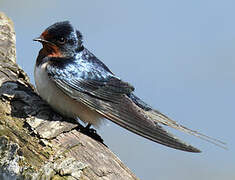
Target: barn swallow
78, 85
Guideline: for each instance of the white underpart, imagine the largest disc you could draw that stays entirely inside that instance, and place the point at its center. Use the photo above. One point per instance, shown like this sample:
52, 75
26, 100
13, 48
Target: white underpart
60, 101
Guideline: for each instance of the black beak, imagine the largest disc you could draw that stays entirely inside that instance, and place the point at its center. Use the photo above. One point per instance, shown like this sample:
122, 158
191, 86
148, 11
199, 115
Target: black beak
42, 40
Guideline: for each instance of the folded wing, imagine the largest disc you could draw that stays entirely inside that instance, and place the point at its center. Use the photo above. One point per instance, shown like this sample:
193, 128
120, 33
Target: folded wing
114, 99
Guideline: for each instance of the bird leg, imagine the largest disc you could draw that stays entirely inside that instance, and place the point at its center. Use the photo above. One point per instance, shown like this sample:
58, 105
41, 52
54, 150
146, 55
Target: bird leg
91, 133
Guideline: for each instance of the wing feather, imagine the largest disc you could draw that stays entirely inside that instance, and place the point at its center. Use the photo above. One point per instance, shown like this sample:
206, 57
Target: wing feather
113, 99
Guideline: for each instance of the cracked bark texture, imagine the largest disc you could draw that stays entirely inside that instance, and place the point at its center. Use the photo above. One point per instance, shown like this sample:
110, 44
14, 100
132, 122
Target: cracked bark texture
36, 142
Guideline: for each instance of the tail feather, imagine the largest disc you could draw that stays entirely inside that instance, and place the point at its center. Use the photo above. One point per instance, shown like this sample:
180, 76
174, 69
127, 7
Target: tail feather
162, 119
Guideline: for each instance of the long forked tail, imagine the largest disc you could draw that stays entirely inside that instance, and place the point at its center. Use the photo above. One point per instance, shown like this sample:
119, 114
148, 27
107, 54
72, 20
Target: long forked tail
159, 118
162, 119
133, 114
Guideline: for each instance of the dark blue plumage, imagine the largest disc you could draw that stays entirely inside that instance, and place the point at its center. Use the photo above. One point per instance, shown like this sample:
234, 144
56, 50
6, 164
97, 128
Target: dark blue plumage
80, 66
85, 73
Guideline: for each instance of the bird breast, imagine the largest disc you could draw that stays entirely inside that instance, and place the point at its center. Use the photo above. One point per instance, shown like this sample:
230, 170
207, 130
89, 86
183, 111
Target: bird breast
61, 102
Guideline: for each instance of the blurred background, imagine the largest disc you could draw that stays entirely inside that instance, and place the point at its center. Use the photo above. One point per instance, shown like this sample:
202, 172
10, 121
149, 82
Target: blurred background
180, 56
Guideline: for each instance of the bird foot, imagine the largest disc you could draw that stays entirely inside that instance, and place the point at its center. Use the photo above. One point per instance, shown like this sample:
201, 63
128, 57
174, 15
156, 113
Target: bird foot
92, 133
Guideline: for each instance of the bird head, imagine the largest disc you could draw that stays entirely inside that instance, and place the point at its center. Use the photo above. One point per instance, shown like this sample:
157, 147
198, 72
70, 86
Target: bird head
61, 40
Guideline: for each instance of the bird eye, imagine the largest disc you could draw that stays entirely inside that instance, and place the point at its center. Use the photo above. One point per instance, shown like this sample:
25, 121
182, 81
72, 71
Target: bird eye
61, 40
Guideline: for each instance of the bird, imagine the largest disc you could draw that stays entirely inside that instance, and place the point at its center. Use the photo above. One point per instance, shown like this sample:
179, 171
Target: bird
76, 84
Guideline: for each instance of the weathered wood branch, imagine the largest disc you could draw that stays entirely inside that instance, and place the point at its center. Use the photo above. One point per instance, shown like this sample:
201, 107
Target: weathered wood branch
36, 142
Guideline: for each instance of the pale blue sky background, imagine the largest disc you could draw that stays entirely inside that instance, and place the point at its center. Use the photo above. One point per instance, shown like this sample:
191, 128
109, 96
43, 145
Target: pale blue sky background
180, 56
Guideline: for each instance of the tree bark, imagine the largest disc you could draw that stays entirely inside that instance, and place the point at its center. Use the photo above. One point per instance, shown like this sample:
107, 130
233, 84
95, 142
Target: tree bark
35, 141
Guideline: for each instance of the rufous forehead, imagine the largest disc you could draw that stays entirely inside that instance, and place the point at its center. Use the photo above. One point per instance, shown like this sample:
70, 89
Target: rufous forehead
45, 34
